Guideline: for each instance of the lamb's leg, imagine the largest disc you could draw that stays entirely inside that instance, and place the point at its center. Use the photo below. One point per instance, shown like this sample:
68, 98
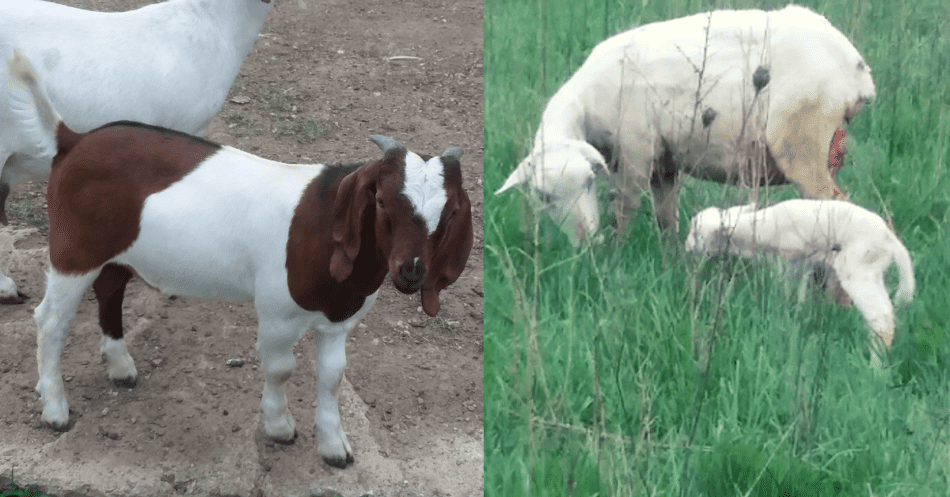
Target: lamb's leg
53, 316
110, 289
870, 297
331, 361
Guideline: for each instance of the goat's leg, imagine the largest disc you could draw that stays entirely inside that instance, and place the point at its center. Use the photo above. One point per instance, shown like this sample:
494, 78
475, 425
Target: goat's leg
870, 297
331, 361
109, 288
53, 317
275, 342
4, 192
9, 294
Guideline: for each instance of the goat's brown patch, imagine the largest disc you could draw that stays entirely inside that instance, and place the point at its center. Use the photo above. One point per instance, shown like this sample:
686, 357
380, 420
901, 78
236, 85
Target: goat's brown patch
316, 232
119, 164
349, 230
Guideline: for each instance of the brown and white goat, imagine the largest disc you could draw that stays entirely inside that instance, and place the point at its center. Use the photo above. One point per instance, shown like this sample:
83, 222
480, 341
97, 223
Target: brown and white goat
310, 245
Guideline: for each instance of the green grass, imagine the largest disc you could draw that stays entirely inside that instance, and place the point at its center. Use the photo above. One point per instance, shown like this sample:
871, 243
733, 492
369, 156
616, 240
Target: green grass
631, 369
28, 213
11, 488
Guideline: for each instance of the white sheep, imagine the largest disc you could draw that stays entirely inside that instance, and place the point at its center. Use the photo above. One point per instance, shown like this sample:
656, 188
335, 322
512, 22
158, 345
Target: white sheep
169, 64
748, 97
853, 242
310, 245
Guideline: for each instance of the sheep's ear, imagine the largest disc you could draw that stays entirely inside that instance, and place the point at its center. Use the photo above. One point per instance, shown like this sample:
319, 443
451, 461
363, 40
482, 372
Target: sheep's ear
352, 198
449, 250
518, 177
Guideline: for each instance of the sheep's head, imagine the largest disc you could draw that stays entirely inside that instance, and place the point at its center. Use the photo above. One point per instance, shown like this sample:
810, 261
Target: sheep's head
562, 177
423, 219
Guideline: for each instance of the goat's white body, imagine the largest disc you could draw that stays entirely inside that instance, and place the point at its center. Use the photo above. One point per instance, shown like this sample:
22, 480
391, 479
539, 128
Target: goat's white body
636, 96
169, 64
236, 234
853, 242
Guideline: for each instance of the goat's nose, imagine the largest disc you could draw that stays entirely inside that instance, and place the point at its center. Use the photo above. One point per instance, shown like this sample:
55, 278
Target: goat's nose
412, 270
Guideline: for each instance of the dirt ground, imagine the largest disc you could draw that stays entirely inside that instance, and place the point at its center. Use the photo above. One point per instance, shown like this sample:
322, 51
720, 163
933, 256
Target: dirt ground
316, 84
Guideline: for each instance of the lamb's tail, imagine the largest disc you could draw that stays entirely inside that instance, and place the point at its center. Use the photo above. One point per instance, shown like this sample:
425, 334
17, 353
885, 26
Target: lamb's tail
34, 111
905, 292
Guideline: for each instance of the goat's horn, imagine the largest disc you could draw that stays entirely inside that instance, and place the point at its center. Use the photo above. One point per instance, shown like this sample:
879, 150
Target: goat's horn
386, 143
454, 152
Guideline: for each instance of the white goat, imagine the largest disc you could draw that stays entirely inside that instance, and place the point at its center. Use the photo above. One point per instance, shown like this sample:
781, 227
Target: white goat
169, 64
732, 96
852, 241
310, 245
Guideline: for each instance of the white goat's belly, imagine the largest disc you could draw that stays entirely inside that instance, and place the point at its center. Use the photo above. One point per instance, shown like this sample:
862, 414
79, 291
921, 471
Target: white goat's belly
191, 276
208, 238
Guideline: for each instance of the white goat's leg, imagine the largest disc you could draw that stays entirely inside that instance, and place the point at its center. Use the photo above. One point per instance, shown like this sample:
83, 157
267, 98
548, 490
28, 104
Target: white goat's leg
53, 317
8, 290
331, 362
275, 342
122, 369
870, 297
109, 288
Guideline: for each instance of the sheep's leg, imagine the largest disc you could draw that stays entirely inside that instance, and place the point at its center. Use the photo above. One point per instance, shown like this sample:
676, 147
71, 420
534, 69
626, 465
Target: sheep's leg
331, 361
630, 183
109, 288
665, 188
275, 342
53, 317
870, 297
802, 155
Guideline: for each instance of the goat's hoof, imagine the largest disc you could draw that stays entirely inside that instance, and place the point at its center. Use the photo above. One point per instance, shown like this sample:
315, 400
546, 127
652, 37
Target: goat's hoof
286, 441
60, 428
125, 382
56, 422
19, 298
340, 461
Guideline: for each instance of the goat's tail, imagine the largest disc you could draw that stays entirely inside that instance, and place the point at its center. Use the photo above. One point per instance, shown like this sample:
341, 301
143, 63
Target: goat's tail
905, 292
34, 111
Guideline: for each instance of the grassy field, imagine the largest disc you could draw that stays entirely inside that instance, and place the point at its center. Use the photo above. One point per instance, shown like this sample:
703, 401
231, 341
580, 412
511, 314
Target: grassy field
631, 369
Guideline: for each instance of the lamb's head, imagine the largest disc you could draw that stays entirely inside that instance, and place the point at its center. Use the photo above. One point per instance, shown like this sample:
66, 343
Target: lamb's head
562, 177
710, 230
423, 220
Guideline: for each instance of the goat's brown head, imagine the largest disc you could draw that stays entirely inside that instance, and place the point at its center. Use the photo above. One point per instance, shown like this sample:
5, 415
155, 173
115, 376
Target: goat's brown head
423, 220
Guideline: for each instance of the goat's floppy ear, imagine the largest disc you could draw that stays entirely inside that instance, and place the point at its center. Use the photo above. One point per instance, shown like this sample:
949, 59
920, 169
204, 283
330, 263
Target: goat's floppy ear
352, 198
451, 243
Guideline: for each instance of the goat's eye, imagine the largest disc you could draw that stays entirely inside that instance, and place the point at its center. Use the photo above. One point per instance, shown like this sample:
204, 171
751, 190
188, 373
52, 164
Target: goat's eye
380, 204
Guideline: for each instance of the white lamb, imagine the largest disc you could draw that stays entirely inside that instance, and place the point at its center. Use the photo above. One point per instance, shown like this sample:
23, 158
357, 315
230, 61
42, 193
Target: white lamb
852, 241
749, 97
169, 64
